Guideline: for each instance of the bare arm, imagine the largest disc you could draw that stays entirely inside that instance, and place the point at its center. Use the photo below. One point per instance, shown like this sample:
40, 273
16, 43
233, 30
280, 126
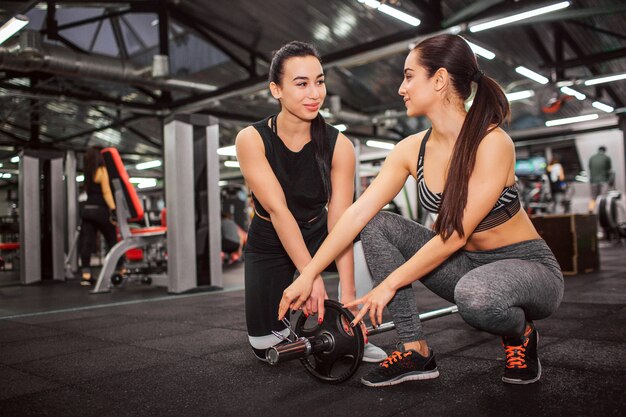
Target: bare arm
493, 164
385, 186
102, 177
342, 178
261, 179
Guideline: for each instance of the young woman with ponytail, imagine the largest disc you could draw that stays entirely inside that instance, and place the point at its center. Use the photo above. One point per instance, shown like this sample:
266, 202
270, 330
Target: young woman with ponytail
483, 253
301, 174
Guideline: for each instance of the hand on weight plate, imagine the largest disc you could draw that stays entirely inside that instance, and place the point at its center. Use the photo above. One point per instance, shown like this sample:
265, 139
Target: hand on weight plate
315, 303
295, 295
375, 302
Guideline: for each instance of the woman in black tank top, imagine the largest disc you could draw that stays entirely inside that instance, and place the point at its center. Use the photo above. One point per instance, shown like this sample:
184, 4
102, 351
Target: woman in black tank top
301, 174
501, 275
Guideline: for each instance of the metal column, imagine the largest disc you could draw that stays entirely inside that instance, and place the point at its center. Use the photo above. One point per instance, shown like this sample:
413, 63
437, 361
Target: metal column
213, 195
30, 212
179, 201
71, 196
57, 206
193, 213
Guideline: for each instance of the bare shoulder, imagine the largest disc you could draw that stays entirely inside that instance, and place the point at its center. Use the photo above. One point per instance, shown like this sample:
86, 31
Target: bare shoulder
344, 142
496, 143
247, 138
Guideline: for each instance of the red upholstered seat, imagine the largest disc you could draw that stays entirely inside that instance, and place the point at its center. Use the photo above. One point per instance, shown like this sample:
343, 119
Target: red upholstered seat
9, 246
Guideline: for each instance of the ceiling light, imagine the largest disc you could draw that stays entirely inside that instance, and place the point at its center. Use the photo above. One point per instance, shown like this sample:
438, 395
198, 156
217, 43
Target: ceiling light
519, 16
147, 183
15, 159
231, 164
341, 127
227, 151
150, 164
572, 92
602, 106
388, 10
606, 79
532, 75
479, 50
569, 120
520, 95
80, 178
379, 144
11, 27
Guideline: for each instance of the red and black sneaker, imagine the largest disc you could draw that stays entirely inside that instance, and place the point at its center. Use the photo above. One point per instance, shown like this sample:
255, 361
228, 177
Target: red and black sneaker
400, 367
522, 362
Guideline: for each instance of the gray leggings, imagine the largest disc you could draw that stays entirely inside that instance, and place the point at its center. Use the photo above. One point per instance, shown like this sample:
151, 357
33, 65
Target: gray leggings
496, 290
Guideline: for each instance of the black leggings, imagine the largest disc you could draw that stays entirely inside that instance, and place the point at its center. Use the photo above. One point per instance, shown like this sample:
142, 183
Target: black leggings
268, 271
95, 218
495, 290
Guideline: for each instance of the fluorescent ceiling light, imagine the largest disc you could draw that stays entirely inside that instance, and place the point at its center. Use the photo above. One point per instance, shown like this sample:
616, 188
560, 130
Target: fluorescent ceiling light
80, 178
15, 159
231, 164
572, 92
569, 120
227, 151
6, 175
341, 127
519, 16
150, 164
388, 10
532, 75
379, 144
222, 183
606, 79
400, 15
479, 50
602, 106
520, 95
147, 183
11, 27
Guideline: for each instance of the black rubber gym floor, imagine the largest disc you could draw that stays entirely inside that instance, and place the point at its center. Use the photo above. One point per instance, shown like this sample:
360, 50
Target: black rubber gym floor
141, 352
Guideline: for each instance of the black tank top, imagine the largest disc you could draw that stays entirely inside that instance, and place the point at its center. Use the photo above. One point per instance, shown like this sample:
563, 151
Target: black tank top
94, 193
297, 173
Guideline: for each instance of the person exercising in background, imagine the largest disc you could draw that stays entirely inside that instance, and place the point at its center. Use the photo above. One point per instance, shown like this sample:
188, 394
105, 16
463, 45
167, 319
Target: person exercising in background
97, 211
483, 253
301, 174
600, 175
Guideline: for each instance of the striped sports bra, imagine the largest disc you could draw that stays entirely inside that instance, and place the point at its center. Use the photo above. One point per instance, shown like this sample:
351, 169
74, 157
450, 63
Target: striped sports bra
507, 206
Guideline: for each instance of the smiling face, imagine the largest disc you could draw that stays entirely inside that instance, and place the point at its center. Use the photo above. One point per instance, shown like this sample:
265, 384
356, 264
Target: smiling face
418, 89
302, 90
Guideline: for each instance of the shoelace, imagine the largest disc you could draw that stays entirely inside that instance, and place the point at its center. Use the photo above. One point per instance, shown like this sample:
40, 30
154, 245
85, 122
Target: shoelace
394, 357
516, 355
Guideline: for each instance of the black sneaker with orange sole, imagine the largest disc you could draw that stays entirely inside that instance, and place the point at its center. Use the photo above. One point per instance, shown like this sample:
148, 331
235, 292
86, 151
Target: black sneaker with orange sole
522, 362
400, 367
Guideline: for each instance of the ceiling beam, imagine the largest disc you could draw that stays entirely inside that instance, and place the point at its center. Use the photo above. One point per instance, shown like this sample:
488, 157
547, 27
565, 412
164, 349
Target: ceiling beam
469, 12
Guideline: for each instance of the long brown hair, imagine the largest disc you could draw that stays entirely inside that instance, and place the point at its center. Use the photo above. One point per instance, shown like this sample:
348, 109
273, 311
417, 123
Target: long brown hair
319, 138
489, 110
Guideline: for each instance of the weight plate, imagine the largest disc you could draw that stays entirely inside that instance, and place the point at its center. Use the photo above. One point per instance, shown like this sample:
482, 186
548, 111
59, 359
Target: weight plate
339, 362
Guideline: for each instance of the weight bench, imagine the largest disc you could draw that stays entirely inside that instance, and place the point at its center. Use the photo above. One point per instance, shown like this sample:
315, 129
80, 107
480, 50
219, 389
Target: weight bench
128, 208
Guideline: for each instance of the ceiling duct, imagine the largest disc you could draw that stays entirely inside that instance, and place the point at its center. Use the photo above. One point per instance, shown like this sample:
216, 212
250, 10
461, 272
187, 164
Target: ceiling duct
31, 55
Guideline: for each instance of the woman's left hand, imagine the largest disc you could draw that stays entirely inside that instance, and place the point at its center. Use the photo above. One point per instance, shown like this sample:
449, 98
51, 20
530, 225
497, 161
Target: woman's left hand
295, 295
375, 302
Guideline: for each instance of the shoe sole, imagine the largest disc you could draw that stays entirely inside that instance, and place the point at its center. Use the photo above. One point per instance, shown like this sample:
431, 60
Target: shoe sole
404, 378
522, 381
373, 360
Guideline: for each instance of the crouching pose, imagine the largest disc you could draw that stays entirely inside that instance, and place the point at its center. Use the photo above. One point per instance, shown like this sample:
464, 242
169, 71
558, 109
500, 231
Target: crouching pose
483, 252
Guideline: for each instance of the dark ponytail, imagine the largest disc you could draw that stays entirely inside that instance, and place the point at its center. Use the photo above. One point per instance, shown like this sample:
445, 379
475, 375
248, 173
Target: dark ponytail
489, 110
319, 135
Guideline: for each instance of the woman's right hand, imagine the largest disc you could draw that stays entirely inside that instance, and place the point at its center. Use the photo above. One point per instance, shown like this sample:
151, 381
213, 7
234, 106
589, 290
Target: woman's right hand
315, 303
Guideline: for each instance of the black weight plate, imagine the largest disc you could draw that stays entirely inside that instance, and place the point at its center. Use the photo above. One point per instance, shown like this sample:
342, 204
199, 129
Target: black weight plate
341, 361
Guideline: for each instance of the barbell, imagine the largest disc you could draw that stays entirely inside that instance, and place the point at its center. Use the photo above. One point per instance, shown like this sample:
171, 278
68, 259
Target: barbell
332, 351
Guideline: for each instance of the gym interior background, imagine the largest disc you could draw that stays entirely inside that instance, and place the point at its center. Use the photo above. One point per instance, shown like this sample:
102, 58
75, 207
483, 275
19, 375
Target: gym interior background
169, 84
